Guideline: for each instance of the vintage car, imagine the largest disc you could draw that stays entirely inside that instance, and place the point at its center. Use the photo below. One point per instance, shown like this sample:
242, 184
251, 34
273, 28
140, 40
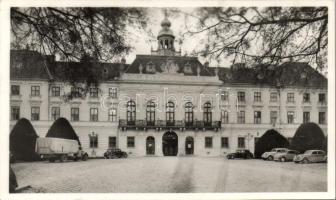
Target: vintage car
311, 156
288, 155
269, 155
240, 153
114, 153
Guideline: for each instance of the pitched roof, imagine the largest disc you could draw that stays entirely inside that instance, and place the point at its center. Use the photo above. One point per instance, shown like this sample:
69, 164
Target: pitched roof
158, 61
80, 71
286, 74
32, 65
28, 64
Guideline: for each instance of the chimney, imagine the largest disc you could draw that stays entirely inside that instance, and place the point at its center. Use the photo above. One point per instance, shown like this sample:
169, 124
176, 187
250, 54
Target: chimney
206, 64
198, 70
216, 71
123, 60
140, 68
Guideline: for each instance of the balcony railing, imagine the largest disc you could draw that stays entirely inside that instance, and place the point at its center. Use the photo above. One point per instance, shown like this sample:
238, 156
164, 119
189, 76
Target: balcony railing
167, 125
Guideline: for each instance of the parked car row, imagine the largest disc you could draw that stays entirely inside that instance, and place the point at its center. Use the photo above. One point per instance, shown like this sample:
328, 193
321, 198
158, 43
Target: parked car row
284, 154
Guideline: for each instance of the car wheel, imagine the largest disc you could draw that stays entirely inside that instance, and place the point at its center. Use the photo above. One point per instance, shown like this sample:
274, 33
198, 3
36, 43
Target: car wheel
283, 159
52, 160
270, 158
305, 161
85, 157
62, 158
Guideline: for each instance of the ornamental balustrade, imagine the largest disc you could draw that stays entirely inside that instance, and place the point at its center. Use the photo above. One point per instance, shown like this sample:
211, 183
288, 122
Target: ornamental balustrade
169, 125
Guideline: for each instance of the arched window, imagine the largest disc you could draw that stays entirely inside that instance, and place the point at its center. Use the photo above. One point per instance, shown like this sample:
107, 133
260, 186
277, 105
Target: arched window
207, 115
150, 113
189, 114
131, 111
170, 113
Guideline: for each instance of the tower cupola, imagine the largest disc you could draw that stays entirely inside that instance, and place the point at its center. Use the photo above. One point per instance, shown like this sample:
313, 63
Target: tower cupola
166, 39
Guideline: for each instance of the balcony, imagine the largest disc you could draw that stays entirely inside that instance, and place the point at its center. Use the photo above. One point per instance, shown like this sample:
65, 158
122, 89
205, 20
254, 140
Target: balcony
169, 125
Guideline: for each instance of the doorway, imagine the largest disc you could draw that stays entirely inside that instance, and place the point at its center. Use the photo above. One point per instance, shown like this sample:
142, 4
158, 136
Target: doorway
150, 145
169, 143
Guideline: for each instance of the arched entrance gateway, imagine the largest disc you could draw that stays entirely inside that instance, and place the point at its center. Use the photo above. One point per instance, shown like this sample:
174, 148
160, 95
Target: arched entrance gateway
169, 143
150, 145
189, 145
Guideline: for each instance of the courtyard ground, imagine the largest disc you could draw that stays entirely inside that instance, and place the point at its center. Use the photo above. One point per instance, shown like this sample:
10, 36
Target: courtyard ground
171, 174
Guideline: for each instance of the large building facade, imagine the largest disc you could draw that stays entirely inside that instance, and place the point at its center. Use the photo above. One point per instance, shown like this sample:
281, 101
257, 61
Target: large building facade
165, 103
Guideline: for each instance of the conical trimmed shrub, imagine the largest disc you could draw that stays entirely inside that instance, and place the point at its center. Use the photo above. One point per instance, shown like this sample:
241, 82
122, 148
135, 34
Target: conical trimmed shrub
271, 139
308, 136
61, 128
22, 141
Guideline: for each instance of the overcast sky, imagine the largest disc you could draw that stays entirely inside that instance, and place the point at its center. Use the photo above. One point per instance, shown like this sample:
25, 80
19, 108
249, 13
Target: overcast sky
143, 42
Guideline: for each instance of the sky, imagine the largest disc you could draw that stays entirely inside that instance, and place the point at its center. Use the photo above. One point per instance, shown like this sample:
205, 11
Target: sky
142, 43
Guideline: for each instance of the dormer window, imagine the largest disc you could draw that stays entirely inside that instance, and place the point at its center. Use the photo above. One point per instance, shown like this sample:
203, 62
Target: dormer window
187, 69
150, 67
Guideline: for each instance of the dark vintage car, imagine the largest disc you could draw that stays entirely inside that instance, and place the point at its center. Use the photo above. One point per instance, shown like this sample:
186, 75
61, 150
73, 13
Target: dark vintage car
240, 153
114, 153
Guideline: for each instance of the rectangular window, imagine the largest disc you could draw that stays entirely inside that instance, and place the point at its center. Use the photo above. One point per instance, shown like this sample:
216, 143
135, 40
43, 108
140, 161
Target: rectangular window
15, 112
94, 114
290, 117
93, 141
130, 142
94, 92
15, 90
55, 113
55, 91
35, 113
208, 142
74, 114
225, 117
322, 117
241, 142
241, 117
306, 117
273, 97
76, 92
113, 93
112, 114
257, 96
112, 142
322, 98
225, 96
241, 96
290, 97
35, 90
273, 116
257, 117
225, 142
306, 97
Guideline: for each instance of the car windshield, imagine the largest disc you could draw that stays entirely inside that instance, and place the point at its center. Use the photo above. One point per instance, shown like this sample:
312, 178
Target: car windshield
274, 150
308, 152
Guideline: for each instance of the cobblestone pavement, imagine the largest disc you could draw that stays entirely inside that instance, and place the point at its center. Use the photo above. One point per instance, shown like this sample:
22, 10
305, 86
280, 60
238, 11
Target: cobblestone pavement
172, 174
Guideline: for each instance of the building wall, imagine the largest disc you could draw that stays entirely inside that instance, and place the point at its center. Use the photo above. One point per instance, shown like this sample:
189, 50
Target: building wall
181, 91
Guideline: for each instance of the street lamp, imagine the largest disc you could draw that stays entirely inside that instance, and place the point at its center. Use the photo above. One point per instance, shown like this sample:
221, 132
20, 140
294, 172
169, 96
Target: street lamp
93, 135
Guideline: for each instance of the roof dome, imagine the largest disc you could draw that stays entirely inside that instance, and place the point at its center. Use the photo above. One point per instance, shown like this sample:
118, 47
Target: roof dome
165, 22
166, 32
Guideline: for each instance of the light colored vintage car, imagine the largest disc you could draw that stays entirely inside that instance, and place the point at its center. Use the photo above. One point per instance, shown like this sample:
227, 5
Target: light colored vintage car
311, 156
288, 155
269, 155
